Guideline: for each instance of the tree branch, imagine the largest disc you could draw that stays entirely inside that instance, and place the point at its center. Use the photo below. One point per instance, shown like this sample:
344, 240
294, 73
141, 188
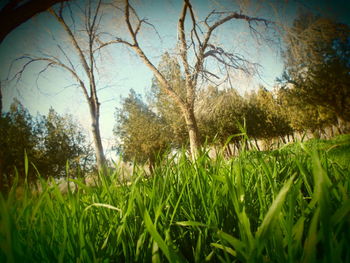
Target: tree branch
72, 38
210, 29
135, 46
51, 62
182, 42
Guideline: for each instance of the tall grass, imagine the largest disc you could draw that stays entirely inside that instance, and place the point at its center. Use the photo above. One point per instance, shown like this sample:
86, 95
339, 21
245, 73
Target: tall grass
290, 205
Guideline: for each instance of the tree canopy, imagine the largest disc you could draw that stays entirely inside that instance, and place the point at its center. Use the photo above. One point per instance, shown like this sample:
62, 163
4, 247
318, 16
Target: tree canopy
49, 142
141, 134
317, 64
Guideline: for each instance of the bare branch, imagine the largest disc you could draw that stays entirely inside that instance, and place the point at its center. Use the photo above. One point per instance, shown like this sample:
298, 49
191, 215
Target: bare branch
115, 41
182, 40
135, 45
66, 56
128, 23
194, 24
231, 60
50, 62
203, 53
72, 38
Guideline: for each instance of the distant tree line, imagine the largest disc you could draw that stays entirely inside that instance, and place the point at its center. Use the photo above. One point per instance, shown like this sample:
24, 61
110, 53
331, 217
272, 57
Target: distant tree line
53, 144
312, 95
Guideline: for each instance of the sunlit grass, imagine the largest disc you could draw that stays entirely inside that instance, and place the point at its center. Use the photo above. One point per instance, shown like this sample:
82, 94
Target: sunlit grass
290, 205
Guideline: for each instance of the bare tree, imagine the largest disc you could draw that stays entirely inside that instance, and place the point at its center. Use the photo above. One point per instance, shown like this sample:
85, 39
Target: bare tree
16, 12
198, 41
83, 45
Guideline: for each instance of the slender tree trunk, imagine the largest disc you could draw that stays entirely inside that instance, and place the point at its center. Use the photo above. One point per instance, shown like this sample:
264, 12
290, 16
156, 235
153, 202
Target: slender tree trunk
151, 164
257, 144
332, 131
340, 125
95, 128
234, 149
283, 139
229, 151
193, 132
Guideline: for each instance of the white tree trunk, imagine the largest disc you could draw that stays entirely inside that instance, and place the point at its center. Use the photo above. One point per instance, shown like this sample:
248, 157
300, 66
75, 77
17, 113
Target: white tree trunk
95, 129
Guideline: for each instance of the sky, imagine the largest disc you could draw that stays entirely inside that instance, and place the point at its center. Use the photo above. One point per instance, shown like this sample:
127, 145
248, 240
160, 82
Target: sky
121, 70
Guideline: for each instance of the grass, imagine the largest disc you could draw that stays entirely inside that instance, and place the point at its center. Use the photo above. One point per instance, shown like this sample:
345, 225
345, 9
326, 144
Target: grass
289, 205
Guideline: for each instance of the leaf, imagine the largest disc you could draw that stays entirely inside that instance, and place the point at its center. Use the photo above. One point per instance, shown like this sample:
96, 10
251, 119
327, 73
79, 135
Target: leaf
103, 205
226, 249
274, 210
238, 245
190, 223
311, 239
170, 254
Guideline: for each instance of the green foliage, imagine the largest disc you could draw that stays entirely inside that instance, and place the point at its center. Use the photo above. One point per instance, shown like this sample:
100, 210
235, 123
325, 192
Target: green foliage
318, 65
144, 130
291, 205
62, 139
48, 142
165, 107
141, 134
219, 112
304, 116
266, 117
18, 137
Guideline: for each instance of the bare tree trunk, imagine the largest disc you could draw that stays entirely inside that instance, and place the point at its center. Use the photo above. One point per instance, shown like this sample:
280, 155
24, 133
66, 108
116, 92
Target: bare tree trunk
229, 151
151, 165
340, 124
332, 131
95, 129
257, 144
283, 139
193, 132
234, 149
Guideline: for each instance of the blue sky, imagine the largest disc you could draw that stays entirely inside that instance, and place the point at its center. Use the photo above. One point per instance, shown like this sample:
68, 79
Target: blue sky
120, 69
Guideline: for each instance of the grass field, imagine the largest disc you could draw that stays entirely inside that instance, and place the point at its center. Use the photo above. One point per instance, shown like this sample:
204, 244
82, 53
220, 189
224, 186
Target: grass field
288, 205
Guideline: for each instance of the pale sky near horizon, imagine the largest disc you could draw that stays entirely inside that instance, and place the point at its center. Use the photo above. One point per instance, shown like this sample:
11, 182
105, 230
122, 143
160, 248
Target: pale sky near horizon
120, 69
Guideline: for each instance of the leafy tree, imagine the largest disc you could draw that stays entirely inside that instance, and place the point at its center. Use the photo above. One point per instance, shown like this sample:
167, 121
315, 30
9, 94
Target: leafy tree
195, 43
62, 140
266, 118
18, 135
219, 113
140, 133
48, 141
165, 107
317, 69
304, 116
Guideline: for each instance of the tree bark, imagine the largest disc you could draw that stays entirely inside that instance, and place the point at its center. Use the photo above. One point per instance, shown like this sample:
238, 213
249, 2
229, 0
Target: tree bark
95, 129
341, 125
257, 144
193, 132
228, 151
